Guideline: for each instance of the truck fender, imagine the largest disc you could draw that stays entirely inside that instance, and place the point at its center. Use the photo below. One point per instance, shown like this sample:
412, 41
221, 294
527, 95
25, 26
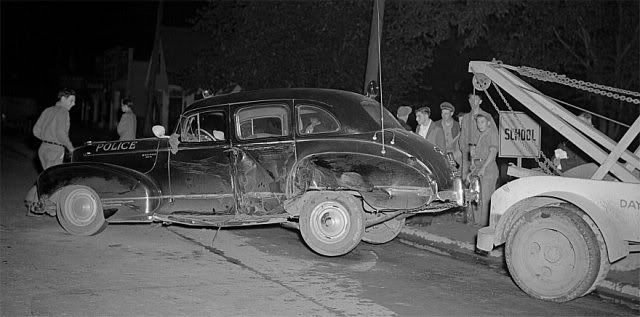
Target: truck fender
526, 194
110, 182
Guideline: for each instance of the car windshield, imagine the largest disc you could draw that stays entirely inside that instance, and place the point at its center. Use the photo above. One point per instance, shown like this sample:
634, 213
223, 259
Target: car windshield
372, 107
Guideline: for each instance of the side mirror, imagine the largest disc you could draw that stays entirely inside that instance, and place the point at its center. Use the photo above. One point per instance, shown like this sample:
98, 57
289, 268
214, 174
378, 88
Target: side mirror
159, 131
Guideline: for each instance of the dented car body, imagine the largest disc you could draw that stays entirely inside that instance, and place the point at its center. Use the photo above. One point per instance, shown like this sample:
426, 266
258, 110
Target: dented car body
334, 164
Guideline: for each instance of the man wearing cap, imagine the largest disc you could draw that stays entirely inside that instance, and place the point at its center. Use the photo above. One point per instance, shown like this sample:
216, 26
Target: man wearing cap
403, 115
450, 127
469, 132
428, 129
127, 125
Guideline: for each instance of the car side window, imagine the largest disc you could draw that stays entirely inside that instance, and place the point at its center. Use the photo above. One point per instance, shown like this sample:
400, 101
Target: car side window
204, 127
315, 120
262, 121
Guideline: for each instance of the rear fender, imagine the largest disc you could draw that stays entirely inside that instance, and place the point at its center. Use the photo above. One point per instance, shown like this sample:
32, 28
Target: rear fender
119, 188
384, 183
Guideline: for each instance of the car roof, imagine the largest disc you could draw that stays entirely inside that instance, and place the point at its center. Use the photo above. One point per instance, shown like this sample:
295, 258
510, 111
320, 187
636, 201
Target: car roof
329, 96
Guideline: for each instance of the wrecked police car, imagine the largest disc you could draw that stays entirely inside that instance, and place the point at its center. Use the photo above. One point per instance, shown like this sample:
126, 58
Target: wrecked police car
334, 164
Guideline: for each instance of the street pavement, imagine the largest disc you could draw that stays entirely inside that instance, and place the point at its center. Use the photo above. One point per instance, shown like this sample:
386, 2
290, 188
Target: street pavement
443, 234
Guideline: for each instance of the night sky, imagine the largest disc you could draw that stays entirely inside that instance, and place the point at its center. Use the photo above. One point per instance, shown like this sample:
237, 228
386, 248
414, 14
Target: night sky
41, 40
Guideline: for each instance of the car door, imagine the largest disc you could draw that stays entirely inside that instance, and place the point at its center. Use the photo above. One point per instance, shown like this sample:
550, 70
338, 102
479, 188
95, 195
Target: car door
199, 171
264, 151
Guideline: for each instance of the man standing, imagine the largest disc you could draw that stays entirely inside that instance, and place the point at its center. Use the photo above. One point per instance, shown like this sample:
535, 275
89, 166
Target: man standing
52, 128
450, 127
428, 129
469, 132
403, 116
128, 123
484, 165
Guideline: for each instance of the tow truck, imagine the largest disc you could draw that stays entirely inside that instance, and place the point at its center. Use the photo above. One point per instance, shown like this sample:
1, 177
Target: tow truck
562, 233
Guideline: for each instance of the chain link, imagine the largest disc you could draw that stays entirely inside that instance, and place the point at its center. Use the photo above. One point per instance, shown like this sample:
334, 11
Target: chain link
548, 76
546, 164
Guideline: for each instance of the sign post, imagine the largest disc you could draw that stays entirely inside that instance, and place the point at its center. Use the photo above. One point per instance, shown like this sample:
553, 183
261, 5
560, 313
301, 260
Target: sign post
519, 136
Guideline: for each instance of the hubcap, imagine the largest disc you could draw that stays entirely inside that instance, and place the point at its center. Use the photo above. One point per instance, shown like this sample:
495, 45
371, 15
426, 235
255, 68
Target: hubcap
330, 222
550, 258
81, 208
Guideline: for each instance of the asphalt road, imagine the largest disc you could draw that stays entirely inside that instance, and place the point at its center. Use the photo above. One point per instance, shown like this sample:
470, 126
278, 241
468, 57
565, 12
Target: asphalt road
151, 270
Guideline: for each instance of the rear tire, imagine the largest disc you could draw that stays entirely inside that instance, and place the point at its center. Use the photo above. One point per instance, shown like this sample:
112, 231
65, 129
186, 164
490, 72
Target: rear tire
80, 211
553, 254
331, 223
384, 232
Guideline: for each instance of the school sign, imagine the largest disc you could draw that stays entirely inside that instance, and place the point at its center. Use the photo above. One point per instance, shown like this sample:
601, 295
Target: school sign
518, 138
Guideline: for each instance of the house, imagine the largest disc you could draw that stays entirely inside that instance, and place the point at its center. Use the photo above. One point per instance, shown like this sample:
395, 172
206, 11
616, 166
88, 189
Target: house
175, 52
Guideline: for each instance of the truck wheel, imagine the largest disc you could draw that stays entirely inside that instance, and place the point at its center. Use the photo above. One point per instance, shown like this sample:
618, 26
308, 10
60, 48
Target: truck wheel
331, 223
80, 211
553, 254
383, 232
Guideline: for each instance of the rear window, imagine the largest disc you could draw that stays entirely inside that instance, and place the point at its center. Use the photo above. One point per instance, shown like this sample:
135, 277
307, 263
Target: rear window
373, 109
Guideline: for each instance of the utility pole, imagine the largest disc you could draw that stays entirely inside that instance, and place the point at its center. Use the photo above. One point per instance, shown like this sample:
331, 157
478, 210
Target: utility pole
373, 60
154, 65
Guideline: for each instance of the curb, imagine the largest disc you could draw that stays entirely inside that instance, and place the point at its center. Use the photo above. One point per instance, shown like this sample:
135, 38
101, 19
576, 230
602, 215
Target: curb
495, 259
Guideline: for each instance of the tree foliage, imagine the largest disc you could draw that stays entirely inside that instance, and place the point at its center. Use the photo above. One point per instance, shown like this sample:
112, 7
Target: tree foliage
595, 41
324, 43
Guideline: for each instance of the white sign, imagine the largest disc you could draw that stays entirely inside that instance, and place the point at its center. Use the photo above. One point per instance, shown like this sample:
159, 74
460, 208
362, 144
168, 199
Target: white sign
518, 138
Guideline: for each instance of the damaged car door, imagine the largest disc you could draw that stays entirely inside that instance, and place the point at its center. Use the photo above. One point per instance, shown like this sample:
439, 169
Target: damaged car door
200, 170
264, 151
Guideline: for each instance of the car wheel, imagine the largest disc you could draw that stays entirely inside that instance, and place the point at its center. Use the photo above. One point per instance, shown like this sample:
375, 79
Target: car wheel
553, 254
383, 232
331, 223
80, 211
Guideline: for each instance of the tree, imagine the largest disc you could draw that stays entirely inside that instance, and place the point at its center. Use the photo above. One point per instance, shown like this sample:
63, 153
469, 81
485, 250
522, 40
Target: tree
324, 43
595, 41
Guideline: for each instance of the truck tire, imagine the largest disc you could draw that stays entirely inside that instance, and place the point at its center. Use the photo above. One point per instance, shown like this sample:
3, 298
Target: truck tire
384, 232
80, 211
553, 254
331, 223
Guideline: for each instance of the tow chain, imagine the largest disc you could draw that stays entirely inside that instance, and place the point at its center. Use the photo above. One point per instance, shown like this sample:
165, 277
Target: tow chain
548, 76
546, 165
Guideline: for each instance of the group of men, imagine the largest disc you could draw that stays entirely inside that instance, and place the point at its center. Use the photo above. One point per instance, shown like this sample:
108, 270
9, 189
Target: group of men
52, 128
473, 142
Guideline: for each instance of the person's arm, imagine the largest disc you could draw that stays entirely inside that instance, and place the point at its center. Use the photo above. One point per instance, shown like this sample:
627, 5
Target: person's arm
37, 128
62, 130
440, 140
493, 151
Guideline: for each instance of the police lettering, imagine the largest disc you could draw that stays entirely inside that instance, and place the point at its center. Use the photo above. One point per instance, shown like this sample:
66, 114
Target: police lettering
106, 147
519, 134
634, 204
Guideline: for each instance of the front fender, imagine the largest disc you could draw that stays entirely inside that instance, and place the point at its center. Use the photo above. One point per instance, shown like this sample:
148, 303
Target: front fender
598, 199
121, 189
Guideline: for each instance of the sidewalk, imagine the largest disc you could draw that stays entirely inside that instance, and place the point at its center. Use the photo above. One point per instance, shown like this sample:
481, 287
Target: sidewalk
443, 235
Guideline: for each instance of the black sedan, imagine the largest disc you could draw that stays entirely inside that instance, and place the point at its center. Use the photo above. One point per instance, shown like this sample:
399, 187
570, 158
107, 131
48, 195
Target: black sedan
335, 164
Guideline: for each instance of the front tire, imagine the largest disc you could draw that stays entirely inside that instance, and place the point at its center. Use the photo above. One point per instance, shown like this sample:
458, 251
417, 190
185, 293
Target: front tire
553, 254
331, 223
80, 211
